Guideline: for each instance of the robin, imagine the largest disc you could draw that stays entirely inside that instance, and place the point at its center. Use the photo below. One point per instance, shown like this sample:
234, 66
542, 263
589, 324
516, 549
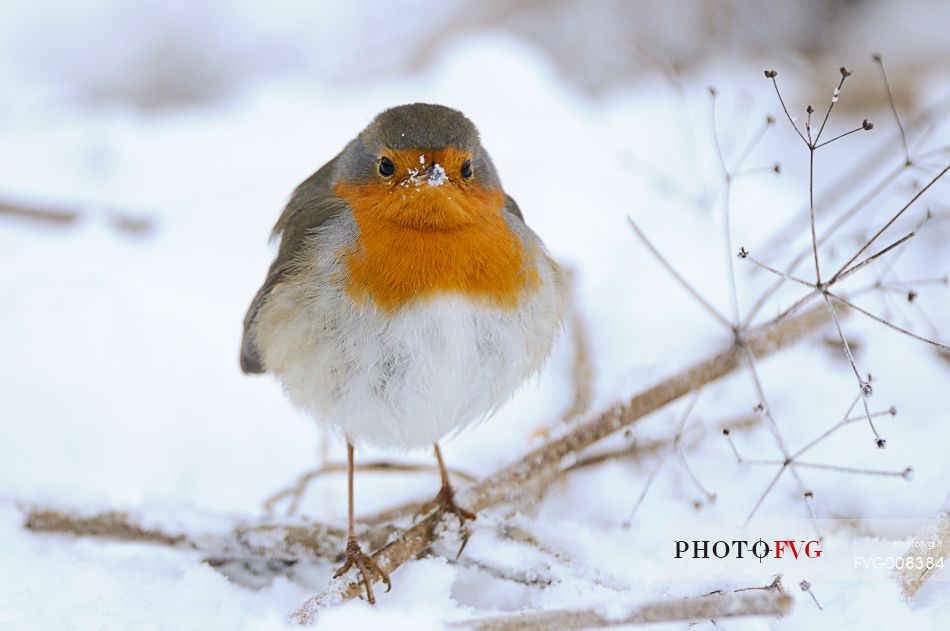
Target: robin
408, 298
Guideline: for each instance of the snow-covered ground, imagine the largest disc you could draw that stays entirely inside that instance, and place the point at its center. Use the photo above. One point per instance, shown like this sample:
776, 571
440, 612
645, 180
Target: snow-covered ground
120, 387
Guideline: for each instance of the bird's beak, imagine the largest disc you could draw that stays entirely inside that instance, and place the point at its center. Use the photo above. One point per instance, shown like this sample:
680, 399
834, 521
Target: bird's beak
433, 175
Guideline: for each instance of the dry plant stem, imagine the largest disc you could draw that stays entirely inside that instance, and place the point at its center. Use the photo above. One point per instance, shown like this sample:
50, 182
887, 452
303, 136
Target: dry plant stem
890, 99
676, 275
813, 145
931, 545
582, 369
691, 437
714, 606
296, 490
862, 203
675, 443
114, 525
728, 177
857, 266
896, 216
543, 464
843, 184
264, 541
942, 347
767, 412
62, 216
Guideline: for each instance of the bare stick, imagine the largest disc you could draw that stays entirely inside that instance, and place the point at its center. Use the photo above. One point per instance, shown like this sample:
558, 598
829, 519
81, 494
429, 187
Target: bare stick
296, 490
753, 143
110, 524
903, 473
862, 203
750, 360
259, 541
845, 73
875, 256
942, 347
675, 443
743, 254
688, 440
926, 552
891, 222
582, 368
811, 211
890, 100
771, 74
676, 276
713, 606
765, 493
69, 216
843, 184
840, 136
847, 418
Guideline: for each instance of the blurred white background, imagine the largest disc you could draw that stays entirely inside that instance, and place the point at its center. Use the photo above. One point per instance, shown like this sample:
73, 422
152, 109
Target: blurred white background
146, 148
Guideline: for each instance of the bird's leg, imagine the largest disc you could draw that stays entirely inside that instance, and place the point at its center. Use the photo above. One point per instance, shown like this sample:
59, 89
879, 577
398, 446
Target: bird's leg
354, 553
445, 501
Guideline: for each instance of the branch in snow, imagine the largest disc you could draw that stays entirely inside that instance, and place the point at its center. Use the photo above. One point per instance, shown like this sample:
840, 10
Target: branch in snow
260, 548
927, 550
543, 464
109, 525
296, 490
711, 607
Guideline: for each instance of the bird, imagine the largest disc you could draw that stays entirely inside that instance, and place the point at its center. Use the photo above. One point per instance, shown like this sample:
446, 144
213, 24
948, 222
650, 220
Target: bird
408, 298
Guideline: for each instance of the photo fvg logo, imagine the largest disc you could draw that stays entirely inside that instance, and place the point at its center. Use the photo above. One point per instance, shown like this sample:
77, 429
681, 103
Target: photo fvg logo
740, 548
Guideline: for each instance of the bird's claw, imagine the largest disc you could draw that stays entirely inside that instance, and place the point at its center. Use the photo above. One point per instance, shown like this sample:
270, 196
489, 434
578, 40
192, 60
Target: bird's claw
367, 567
444, 502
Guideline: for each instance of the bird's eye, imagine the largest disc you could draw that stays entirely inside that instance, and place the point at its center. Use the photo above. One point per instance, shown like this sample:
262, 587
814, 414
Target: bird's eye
386, 167
467, 169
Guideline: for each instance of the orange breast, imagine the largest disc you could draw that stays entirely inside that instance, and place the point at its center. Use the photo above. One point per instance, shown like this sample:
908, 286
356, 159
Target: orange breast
415, 242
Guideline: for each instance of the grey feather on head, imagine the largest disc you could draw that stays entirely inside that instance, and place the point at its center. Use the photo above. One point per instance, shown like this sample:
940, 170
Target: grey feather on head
422, 126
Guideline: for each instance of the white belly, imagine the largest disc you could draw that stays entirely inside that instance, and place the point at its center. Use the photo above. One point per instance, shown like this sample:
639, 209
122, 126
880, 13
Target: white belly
409, 378
427, 371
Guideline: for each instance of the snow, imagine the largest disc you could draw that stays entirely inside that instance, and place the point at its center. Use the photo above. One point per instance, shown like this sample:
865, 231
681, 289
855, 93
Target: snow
437, 177
120, 388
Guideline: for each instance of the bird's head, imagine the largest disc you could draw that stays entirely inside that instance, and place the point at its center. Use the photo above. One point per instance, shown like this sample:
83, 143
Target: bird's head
419, 166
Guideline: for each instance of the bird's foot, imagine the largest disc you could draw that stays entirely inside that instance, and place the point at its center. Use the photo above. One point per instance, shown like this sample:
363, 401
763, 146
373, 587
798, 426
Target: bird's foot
444, 502
367, 567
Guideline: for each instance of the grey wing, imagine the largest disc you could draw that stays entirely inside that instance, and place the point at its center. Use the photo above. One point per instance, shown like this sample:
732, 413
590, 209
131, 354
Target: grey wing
512, 206
250, 357
311, 205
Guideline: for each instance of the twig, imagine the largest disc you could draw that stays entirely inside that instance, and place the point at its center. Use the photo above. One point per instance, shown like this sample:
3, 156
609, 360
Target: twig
729, 605
690, 438
926, 552
114, 525
252, 543
582, 369
938, 345
889, 223
890, 100
806, 587
675, 443
857, 266
676, 275
70, 216
296, 490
